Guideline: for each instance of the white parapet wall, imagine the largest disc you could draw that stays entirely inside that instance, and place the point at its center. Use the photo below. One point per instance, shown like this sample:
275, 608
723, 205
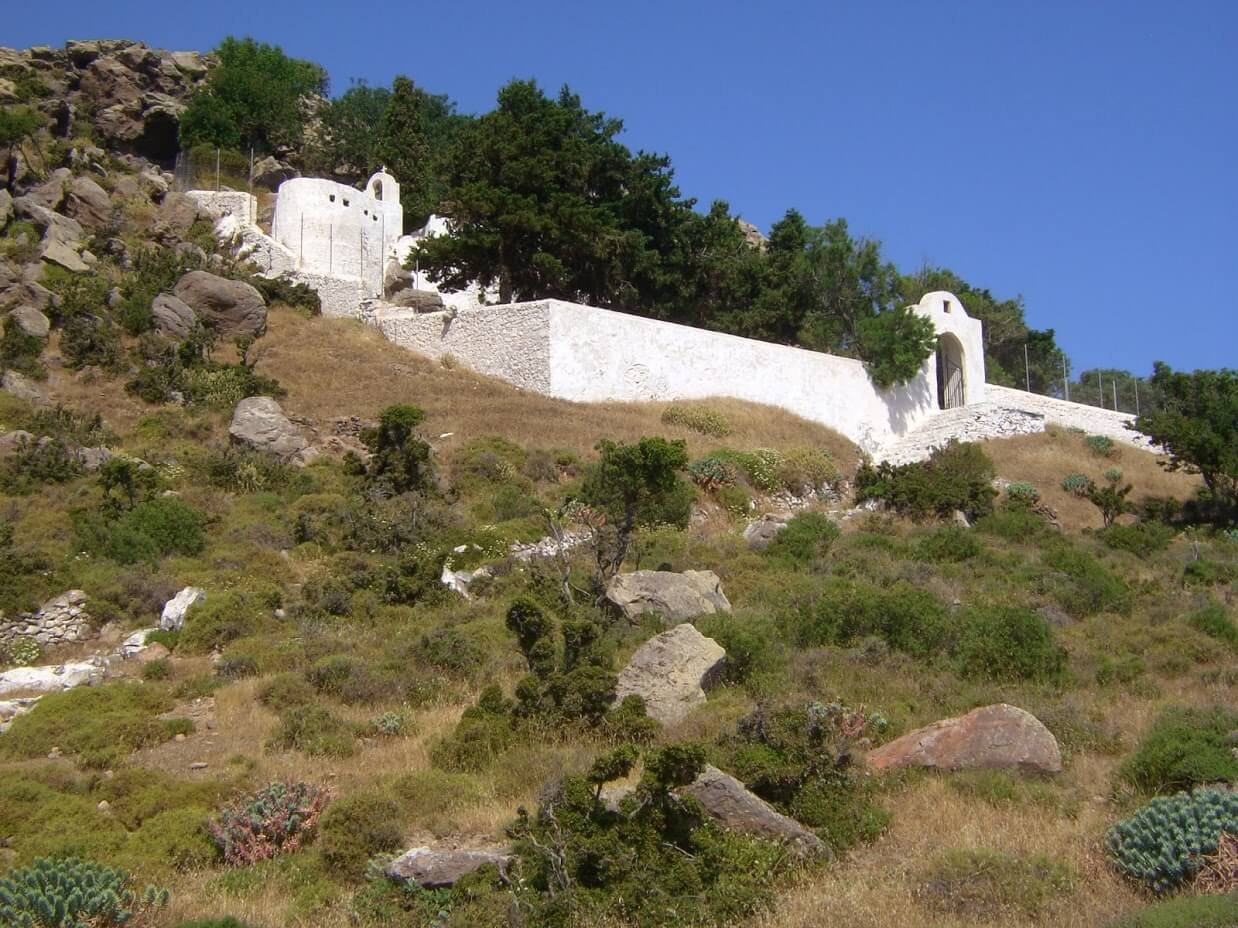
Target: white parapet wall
1090, 419
586, 354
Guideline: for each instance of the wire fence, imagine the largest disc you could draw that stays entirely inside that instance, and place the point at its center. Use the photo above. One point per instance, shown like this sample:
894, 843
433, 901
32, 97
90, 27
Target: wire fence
205, 167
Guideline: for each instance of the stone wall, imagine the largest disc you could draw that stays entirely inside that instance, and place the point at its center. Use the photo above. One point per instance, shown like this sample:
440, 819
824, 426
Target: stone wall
59, 621
1091, 419
220, 203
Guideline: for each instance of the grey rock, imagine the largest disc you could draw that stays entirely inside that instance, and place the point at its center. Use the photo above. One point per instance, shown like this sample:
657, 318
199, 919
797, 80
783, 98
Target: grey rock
271, 173
6, 208
59, 253
671, 671
232, 308
92, 459
176, 214
736, 808
173, 317
676, 597
51, 679
88, 203
260, 423
434, 868
51, 193
14, 441
191, 63
761, 533
175, 609
424, 301
31, 321
24, 388
53, 225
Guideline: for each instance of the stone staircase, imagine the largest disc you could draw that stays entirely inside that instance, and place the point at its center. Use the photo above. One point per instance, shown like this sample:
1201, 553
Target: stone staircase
977, 422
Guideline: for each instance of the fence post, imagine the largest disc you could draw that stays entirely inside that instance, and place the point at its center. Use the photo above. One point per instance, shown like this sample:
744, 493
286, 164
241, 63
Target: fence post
1100, 391
1136, 396
217, 169
1115, 394
1027, 369
1065, 378
251, 169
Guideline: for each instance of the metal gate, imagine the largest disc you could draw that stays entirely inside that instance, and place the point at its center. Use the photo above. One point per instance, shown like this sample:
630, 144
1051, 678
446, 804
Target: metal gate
949, 382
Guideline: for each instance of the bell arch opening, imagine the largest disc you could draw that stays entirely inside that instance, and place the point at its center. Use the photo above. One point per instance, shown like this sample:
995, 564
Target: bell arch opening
951, 388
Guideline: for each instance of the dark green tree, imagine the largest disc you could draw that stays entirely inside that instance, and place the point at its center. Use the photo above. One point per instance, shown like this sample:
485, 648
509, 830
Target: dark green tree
1198, 427
349, 137
256, 97
399, 458
18, 125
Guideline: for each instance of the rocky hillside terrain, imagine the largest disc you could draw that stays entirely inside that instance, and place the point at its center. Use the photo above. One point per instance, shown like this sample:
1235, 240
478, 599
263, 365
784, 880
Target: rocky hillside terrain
300, 628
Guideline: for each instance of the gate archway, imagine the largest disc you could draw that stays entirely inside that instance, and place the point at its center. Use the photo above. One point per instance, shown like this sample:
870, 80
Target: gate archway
951, 389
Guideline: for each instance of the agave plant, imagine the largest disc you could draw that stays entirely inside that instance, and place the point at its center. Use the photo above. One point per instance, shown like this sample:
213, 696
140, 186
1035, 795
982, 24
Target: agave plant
1164, 844
71, 893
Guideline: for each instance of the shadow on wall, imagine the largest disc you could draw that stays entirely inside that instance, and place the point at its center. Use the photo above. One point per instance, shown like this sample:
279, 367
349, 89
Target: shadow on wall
906, 405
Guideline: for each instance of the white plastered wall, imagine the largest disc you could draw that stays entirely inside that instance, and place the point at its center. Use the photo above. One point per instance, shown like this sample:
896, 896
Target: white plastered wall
948, 316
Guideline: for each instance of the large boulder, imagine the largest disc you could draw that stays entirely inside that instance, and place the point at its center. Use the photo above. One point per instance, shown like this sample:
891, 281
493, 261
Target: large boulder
270, 173
31, 321
675, 597
172, 317
761, 533
259, 423
998, 737
56, 252
423, 301
231, 307
88, 203
22, 387
51, 679
175, 609
735, 808
670, 672
54, 226
435, 868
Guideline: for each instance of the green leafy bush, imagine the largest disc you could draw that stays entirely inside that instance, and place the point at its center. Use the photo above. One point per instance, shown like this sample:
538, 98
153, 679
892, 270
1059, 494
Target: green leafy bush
1162, 844
286, 690
1022, 493
22, 652
1007, 643
807, 536
711, 473
762, 468
280, 818
1080, 584
1185, 748
1076, 484
1214, 620
356, 828
34, 463
1185, 912
98, 723
1143, 539
956, 477
807, 470
1014, 523
908, 619
71, 893
949, 544
701, 419
150, 530
1100, 444
399, 458
316, 731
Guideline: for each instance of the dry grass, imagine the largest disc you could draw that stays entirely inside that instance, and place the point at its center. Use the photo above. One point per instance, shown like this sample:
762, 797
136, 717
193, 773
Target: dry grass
338, 367
1043, 460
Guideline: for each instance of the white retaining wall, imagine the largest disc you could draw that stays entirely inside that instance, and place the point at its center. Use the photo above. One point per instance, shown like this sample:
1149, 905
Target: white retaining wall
1091, 419
586, 354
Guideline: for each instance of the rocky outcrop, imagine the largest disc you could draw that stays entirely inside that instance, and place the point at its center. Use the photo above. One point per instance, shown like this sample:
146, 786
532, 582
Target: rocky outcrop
22, 387
88, 203
31, 321
998, 737
761, 533
423, 301
60, 254
12, 708
176, 608
676, 597
59, 621
172, 317
671, 671
259, 423
435, 868
231, 307
51, 679
735, 808
270, 173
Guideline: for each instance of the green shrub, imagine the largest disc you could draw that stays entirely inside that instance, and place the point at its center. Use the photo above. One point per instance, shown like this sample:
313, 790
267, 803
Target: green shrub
1100, 444
762, 468
949, 544
1185, 748
1143, 539
489, 460
750, 646
1007, 643
285, 691
734, 500
984, 884
98, 723
291, 293
807, 470
23, 652
343, 677
316, 731
956, 477
1076, 484
1012, 523
399, 458
451, 649
226, 922
806, 538
177, 838
150, 530
35, 463
280, 818
701, 419
221, 619
1162, 844
1080, 584
1213, 620
711, 473
1185, 912
908, 619
158, 669
1204, 572
1021, 493
356, 828
71, 893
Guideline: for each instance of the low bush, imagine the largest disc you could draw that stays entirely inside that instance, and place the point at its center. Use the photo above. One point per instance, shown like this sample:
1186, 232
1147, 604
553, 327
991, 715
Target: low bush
452, 650
1011, 523
1007, 643
34, 463
1214, 620
1163, 844
147, 532
1022, 494
711, 473
1206, 572
343, 677
734, 500
100, 724
956, 477
751, 647
356, 828
1143, 539
223, 618
1185, 912
806, 538
278, 819
1101, 445
285, 691
908, 619
1080, 584
762, 468
949, 544
807, 471
72, 893
316, 731
701, 419
985, 884
1076, 484
1184, 748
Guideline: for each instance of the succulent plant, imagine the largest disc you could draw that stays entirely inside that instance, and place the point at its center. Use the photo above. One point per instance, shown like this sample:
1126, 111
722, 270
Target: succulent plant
1164, 843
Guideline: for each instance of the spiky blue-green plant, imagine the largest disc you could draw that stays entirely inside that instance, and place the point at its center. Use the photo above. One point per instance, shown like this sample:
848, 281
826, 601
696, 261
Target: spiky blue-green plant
69, 893
1163, 843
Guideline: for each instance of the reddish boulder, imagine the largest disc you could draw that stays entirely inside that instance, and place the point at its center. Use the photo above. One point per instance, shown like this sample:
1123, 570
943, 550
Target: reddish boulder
999, 737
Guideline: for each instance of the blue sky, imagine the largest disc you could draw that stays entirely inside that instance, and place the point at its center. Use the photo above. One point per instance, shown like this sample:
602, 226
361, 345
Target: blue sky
1083, 154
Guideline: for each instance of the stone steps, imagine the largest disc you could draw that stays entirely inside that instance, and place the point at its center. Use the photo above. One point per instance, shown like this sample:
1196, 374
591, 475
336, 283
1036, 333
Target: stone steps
977, 422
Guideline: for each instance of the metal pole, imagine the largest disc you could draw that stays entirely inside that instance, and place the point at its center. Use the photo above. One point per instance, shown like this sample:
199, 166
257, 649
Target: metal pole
1136, 396
1115, 394
251, 169
1027, 369
1100, 391
1065, 378
301, 250
217, 170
